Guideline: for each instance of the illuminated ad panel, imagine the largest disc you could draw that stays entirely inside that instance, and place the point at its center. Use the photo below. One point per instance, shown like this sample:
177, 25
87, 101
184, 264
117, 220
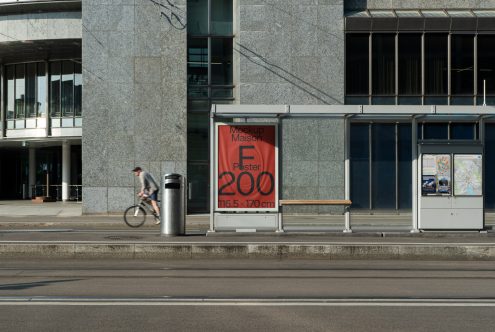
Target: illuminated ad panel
247, 178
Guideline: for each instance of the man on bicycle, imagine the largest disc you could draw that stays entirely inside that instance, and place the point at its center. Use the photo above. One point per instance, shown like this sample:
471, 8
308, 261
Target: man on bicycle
149, 189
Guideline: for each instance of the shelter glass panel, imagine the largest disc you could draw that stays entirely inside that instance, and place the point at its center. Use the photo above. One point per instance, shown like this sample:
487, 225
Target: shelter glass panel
360, 162
405, 166
462, 131
383, 166
489, 156
436, 131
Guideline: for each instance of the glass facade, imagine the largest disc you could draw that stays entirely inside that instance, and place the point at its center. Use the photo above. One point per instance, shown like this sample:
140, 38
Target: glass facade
210, 80
430, 68
26, 87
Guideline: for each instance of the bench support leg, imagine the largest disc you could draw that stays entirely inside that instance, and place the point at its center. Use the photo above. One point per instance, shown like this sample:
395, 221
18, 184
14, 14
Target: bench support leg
347, 215
280, 223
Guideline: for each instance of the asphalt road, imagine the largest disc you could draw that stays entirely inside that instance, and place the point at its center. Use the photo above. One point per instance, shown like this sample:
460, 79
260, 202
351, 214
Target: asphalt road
248, 295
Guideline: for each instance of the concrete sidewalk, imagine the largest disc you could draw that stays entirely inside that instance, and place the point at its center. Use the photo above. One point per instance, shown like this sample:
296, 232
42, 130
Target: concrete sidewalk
60, 231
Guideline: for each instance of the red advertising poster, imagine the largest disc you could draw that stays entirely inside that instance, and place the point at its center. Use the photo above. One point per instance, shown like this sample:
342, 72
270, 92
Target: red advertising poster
246, 167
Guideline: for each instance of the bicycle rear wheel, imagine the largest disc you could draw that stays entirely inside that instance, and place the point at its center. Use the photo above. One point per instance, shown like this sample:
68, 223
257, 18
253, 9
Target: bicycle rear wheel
134, 216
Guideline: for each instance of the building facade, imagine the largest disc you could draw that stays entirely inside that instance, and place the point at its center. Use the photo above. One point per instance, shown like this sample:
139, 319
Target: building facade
92, 88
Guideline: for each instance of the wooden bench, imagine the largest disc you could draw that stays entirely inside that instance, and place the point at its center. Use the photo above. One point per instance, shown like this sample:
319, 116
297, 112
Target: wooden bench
345, 202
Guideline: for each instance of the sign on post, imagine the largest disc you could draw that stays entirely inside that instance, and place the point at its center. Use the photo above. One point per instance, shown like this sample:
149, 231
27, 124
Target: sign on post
247, 177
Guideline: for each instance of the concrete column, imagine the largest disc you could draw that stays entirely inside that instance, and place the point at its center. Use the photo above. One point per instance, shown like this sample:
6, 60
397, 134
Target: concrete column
65, 170
32, 171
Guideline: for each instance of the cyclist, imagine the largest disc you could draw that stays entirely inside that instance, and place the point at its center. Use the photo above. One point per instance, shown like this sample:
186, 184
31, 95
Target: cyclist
149, 189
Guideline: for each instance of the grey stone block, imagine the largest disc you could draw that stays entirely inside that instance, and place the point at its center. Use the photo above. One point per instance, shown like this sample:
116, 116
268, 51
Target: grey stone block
94, 199
252, 18
330, 174
296, 143
120, 198
120, 173
147, 70
104, 250
219, 251
300, 173
165, 251
267, 251
331, 137
308, 252
26, 250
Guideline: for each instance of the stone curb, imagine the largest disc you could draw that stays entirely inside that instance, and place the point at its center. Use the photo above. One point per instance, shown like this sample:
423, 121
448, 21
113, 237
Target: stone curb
249, 251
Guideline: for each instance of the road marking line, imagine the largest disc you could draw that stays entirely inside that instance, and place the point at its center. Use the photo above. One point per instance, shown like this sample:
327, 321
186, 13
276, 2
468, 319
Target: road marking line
436, 244
165, 301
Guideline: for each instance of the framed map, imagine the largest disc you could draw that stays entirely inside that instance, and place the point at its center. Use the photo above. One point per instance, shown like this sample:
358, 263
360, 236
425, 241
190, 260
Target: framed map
468, 170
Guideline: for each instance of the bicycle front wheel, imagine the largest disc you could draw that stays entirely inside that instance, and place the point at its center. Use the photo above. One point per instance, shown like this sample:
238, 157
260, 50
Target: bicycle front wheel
135, 216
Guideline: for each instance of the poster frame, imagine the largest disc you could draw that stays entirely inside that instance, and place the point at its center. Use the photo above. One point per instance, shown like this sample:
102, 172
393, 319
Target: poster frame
437, 194
453, 174
215, 172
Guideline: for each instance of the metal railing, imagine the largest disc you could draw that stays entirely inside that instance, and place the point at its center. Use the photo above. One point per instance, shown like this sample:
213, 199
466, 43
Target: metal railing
55, 191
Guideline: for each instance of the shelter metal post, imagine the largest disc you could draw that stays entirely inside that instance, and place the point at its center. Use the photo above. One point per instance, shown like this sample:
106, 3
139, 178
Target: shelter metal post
414, 157
347, 172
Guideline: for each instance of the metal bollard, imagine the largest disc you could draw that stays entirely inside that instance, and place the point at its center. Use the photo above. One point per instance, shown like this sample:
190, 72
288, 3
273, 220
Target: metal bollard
173, 214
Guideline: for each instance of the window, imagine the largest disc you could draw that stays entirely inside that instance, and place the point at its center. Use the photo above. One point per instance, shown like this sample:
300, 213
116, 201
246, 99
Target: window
410, 65
31, 90
411, 68
55, 70
436, 65
10, 91
41, 89
20, 92
357, 65
486, 67
462, 68
25, 92
383, 64
209, 80
65, 90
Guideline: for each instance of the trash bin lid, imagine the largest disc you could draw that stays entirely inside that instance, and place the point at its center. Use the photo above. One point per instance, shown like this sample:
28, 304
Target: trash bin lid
172, 176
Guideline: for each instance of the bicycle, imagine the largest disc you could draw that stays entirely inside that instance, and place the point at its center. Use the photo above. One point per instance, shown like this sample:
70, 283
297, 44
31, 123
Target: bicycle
135, 215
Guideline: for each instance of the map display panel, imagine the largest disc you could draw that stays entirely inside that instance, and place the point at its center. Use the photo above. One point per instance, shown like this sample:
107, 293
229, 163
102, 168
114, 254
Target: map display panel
468, 174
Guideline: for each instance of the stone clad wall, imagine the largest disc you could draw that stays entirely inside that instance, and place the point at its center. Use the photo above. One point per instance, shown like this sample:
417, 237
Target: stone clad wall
292, 52
134, 97
40, 26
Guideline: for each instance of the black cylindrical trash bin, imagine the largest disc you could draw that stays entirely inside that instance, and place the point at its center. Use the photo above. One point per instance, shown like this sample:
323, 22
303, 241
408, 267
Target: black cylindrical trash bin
173, 214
